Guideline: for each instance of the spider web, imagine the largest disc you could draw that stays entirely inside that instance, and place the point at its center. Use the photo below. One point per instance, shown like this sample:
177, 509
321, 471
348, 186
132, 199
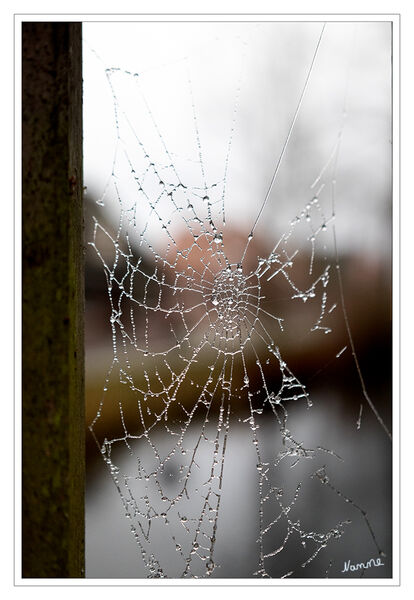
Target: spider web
198, 340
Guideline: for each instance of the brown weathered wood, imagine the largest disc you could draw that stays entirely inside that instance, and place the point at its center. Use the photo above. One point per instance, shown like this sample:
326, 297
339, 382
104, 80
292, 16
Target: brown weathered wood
52, 260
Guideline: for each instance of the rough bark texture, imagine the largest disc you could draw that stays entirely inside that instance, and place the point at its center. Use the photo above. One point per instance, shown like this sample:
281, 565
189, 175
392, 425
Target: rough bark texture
52, 257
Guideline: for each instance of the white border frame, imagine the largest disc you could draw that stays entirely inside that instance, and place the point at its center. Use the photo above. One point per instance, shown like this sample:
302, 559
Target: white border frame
214, 17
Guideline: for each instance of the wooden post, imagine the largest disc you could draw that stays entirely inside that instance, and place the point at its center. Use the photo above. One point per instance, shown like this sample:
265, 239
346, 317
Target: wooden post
53, 301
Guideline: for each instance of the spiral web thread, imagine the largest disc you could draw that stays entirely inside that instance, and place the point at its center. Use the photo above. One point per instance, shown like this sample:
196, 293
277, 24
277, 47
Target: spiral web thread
195, 350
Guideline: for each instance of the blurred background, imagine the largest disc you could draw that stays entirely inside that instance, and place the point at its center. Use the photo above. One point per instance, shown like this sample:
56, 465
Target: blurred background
243, 82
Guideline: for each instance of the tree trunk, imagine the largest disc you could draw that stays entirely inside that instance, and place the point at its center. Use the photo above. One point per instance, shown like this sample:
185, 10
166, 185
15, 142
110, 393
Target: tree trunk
52, 301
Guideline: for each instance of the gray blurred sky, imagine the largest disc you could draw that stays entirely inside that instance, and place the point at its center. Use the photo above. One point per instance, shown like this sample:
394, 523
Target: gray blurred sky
269, 62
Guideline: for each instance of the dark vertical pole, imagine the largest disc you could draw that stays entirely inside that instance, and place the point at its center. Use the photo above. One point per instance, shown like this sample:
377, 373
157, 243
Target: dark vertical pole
53, 292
